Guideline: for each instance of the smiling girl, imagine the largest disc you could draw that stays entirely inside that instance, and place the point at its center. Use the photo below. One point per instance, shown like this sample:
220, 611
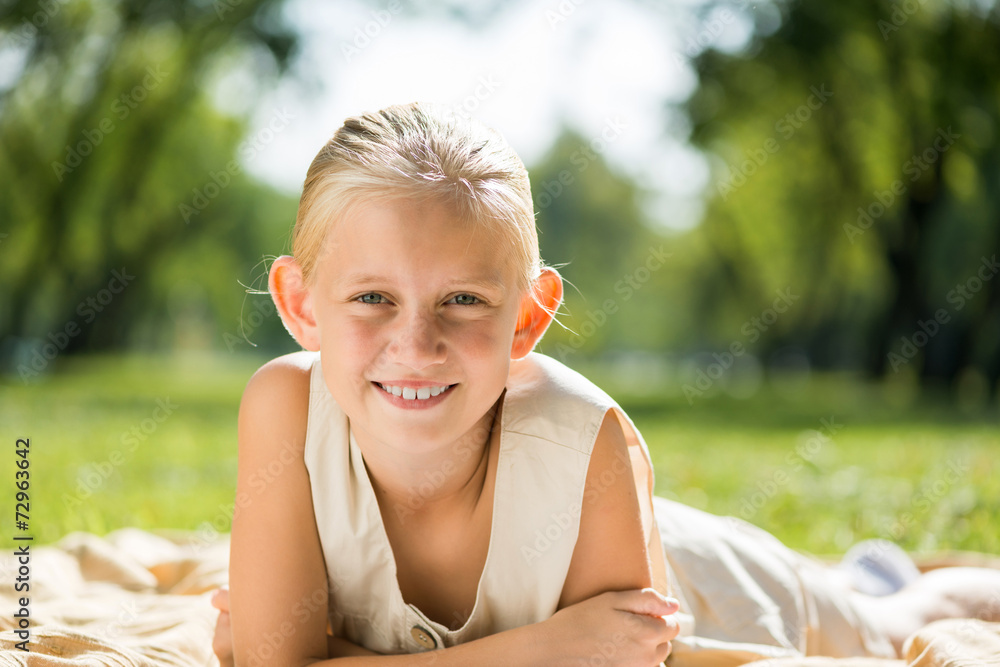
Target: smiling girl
448, 496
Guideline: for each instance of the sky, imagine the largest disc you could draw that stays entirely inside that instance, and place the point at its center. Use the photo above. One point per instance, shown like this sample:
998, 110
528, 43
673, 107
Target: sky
613, 68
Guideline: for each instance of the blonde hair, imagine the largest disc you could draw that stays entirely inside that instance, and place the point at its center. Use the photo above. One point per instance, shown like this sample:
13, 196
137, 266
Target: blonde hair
416, 151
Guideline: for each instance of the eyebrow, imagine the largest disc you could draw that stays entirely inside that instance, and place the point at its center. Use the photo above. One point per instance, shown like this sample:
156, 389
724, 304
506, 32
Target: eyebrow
489, 282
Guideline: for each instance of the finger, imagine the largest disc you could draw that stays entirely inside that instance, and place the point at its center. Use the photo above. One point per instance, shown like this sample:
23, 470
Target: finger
673, 626
647, 601
651, 629
220, 599
662, 651
222, 640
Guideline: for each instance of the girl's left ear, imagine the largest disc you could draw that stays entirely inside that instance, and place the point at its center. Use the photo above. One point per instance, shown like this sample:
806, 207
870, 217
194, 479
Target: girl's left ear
536, 314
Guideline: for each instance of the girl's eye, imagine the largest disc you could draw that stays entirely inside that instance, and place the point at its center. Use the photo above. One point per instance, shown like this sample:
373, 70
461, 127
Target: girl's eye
372, 298
466, 300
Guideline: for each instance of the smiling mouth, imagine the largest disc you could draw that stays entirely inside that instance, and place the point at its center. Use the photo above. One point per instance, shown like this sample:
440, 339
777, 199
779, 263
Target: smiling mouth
412, 394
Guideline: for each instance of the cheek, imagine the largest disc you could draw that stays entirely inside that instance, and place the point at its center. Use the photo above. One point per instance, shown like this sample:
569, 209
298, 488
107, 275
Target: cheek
483, 341
351, 342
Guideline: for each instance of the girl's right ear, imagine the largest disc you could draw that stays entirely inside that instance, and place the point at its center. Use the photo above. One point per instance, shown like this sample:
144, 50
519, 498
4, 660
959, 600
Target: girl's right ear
294, 302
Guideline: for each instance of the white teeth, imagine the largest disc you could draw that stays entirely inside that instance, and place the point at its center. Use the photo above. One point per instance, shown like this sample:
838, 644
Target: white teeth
410, 394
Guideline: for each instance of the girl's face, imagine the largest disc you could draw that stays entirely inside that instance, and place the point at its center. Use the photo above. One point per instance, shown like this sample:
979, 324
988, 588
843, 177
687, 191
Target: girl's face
416, 316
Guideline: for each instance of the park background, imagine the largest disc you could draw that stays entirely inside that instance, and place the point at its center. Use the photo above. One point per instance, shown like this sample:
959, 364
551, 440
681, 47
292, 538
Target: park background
778, 222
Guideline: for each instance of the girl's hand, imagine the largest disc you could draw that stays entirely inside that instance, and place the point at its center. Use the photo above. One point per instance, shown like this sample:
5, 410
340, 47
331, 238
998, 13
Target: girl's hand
631, 628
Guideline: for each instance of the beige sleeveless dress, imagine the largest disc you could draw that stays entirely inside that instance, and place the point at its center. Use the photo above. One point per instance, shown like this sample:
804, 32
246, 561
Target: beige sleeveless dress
743, 594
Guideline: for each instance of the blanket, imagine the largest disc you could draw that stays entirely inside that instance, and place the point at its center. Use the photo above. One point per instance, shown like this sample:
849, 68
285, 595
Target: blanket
130, 598
134, 598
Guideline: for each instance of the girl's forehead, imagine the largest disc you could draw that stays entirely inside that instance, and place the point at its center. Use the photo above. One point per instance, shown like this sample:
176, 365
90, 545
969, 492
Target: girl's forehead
418, 241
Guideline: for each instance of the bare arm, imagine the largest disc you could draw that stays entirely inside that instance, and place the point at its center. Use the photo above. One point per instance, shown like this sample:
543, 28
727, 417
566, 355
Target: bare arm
278, 587
616, 628
611, 551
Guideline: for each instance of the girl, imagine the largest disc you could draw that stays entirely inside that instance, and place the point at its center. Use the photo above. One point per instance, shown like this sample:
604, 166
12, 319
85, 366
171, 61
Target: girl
437, 488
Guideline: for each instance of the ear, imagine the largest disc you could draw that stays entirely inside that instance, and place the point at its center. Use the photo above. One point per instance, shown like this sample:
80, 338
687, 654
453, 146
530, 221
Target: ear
294, 302
534, 315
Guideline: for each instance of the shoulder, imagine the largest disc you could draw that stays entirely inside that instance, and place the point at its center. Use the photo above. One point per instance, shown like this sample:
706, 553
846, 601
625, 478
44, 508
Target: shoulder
289, 370
537, 372
551, 400
282, 379
276, 397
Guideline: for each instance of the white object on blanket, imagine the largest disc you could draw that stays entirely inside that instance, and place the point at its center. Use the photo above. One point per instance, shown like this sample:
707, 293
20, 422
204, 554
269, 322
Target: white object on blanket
878, 567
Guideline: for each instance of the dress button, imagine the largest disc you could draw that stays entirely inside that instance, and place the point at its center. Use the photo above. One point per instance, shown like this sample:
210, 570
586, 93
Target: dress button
423, 637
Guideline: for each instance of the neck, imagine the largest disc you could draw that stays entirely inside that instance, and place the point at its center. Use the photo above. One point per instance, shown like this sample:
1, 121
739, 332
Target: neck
412, 485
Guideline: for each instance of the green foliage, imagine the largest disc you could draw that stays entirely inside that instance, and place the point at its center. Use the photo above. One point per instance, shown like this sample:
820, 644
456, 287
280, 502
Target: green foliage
116, 159
621, 277
856, 162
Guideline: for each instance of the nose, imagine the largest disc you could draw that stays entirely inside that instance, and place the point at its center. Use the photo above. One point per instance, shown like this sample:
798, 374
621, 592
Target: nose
418, 342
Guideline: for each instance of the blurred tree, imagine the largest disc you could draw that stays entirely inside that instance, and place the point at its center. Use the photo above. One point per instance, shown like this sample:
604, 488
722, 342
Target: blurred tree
857, 164
592, 227
124, 202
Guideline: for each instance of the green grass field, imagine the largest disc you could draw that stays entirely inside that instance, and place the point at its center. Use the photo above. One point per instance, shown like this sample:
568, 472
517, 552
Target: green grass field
151, 443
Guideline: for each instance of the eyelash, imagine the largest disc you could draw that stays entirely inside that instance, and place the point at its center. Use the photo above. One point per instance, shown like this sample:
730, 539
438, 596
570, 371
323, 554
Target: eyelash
478, 301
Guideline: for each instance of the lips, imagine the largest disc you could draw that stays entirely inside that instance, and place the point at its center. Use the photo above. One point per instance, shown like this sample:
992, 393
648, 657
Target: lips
414, 394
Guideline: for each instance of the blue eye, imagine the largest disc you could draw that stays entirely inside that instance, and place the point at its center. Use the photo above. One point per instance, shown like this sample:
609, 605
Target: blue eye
364, 298
466, 300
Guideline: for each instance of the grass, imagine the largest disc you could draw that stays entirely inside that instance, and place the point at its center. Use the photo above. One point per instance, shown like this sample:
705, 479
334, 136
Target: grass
150, 442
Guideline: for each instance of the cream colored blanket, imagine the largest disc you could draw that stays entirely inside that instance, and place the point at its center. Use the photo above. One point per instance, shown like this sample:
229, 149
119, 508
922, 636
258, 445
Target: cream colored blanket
134, 598
130, 598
